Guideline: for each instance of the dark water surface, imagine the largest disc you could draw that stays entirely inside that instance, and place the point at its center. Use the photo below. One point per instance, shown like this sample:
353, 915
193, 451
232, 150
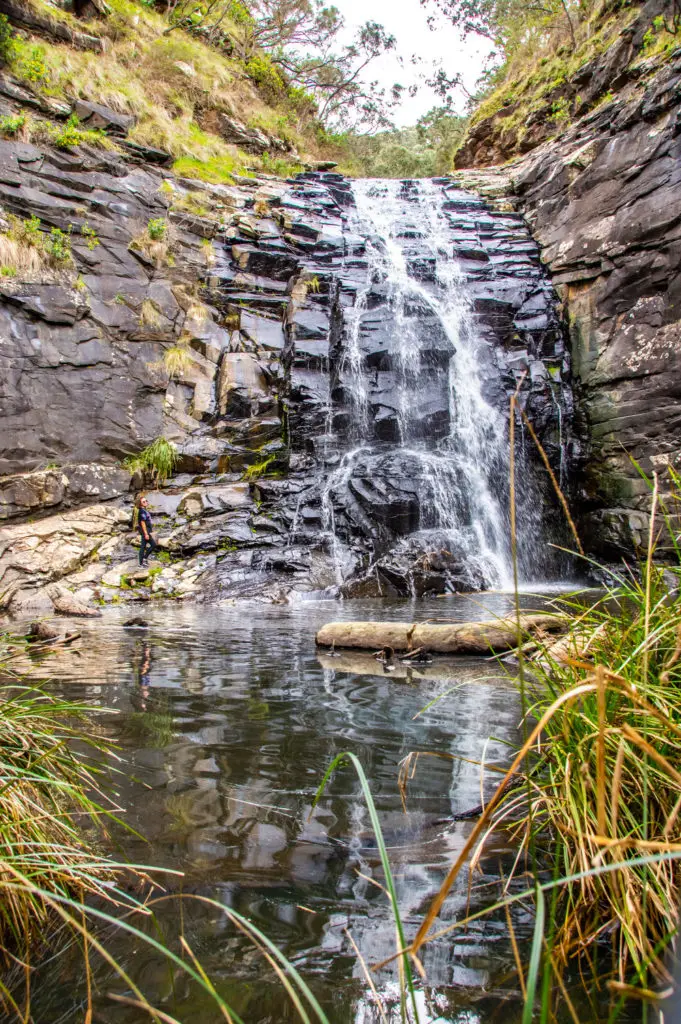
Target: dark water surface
227, 719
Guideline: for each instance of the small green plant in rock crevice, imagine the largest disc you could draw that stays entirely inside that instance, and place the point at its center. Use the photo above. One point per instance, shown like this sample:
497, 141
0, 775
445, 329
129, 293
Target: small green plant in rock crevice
71, 134
157, 229
58, 246
155, 242
27, 251
90, 235
12, 124
560, 112
157, 461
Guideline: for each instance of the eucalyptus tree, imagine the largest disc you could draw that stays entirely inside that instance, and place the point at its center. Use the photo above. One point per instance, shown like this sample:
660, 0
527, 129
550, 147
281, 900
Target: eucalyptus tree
302, 42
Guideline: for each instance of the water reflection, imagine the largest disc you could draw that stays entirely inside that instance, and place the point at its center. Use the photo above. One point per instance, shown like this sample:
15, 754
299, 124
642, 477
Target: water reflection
228, 719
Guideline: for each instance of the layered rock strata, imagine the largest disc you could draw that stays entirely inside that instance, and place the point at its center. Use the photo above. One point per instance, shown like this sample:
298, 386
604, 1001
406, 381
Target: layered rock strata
603, 200
215, 317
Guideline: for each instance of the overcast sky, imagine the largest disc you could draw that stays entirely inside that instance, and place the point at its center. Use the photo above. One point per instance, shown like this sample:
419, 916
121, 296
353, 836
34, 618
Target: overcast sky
406, 20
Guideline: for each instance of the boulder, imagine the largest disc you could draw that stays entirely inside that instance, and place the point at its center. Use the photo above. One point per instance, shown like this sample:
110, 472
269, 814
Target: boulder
95, 115
66, 603
25, 493
36, 554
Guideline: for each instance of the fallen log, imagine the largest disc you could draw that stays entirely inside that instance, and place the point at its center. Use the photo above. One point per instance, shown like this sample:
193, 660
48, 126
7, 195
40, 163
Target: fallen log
454, 638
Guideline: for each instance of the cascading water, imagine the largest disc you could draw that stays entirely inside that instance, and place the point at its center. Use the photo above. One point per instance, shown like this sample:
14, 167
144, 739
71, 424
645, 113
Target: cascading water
427, 440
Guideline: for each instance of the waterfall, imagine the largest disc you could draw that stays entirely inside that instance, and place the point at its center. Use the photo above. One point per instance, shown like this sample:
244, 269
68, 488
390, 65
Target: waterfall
426, 446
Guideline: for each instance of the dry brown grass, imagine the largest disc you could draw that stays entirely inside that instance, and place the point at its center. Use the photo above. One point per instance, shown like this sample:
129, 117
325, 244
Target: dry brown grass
18, 259
167, 81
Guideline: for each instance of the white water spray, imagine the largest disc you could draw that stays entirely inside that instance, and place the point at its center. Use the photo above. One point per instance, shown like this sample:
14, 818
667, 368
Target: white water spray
461, 476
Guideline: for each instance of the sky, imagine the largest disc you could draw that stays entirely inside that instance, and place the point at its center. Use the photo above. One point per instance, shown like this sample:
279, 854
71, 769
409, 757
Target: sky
406, 20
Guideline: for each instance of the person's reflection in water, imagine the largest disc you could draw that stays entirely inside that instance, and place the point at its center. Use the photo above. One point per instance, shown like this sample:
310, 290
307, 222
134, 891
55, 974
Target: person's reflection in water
142, 671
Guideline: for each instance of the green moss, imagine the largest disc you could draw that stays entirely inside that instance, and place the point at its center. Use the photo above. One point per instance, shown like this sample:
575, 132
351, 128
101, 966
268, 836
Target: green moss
258, 469
218, 169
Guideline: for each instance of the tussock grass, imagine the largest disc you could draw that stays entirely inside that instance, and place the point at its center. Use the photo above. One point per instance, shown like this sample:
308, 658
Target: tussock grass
19, 259
42, 797
29, 253
55, 889
155, 242
157, 461
593, 796
177, 360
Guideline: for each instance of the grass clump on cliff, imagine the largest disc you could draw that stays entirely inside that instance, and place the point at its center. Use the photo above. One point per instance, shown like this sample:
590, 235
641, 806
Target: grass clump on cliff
155, 242
30, 253
157, 461
177, 360
172, 83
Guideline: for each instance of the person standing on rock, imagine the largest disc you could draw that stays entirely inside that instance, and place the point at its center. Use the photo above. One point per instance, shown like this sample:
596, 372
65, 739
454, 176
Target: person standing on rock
148, 544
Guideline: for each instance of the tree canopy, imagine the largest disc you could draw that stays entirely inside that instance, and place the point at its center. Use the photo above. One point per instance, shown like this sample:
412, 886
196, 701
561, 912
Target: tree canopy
295, 45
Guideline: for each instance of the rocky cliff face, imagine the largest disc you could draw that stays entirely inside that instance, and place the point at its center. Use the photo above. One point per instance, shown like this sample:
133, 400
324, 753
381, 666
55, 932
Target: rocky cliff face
216, 317
603, 199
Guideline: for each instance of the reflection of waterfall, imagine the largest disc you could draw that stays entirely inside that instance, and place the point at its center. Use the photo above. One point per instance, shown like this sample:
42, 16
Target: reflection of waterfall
412, 374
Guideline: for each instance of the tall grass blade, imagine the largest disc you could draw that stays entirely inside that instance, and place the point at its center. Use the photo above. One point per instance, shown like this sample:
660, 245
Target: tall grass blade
535, 955
385, 863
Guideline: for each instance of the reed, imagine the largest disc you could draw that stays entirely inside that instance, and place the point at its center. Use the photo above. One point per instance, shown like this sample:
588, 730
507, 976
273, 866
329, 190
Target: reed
596, 787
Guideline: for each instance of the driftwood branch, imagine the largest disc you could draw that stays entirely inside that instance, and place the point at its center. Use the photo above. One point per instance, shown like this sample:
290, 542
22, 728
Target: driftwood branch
455, 638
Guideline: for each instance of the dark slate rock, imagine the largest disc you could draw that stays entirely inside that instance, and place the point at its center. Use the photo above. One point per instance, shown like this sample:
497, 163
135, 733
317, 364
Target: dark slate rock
52, 303
95, 115
148, 154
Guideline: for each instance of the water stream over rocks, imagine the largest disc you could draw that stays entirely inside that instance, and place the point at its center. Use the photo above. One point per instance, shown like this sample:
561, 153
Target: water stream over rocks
421, 311
412, 374
342, 420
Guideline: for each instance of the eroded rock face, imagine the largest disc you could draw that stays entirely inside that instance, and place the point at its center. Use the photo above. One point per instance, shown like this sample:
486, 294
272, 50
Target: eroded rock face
229, 336
35, 554
604, 202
